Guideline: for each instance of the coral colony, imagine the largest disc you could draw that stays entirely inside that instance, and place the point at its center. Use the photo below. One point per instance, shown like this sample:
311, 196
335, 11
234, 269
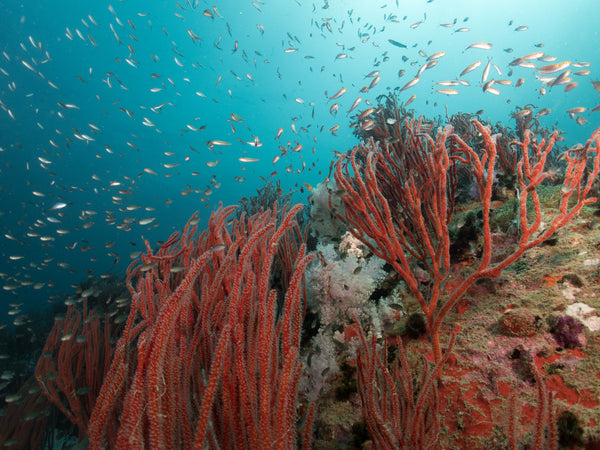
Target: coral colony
241, 336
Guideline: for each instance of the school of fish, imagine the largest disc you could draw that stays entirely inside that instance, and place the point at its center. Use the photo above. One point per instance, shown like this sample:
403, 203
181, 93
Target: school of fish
291, 101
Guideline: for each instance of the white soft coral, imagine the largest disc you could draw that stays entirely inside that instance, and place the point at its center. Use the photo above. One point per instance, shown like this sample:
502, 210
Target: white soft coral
338, 287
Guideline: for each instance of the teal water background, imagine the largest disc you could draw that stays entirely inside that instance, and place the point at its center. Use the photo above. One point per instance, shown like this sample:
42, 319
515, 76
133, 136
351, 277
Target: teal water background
95, 233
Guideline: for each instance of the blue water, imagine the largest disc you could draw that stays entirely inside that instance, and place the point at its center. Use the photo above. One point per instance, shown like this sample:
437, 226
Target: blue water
124, 163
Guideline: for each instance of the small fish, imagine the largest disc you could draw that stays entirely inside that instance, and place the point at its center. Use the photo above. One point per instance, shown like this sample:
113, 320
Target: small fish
552, 68
355, 104
396, 43
570, 86
368, 125
447, 91
365, 113
338, 94
516, 62
12, 398
26, 64
488, 85
486, 72
193, 35
59, 205
480, 45
436, 55
522, 113
535, 55
410, 84
82, 391
246, 159
563, 78
67, 336
374, 82
255, 143
543, 112
470, 68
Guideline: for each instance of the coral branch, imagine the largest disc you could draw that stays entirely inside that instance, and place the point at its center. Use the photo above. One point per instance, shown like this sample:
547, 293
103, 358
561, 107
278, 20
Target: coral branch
399, 200
210, 356
73, 363
398, 413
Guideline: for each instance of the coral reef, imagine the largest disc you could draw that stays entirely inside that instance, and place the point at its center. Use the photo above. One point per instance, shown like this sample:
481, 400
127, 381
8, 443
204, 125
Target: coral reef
410, 338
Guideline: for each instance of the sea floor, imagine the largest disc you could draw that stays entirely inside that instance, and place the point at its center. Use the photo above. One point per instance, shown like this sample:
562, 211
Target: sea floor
507, 324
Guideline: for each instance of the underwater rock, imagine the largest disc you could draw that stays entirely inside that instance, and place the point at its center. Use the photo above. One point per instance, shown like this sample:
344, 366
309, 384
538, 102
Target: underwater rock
519, 323
573, 279
522, 362
585, 314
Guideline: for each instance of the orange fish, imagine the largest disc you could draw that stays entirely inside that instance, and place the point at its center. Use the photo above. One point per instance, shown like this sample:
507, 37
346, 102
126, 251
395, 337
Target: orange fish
338, 94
